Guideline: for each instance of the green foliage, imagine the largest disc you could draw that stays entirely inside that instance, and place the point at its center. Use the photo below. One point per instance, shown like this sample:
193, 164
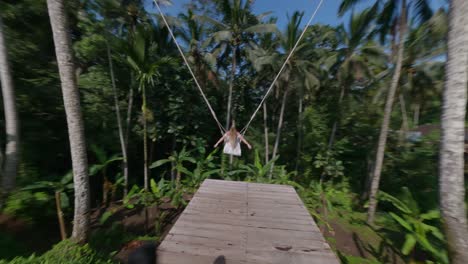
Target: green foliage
103, 160
415, 166
217, 33
105, 216
256, 172
29, 206
281, 176
158, 191
178, 159
329, 165
160, 223
64, 252
64, 186
348, 259
205, 168
38, 199
107, 240
420, 230
328, 196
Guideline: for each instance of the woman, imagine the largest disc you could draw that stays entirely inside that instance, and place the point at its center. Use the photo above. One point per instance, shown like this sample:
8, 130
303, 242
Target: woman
232, 140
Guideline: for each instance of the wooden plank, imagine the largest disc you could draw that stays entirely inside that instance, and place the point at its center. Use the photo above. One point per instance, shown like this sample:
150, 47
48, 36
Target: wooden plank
280, 257
164, 257
246, 223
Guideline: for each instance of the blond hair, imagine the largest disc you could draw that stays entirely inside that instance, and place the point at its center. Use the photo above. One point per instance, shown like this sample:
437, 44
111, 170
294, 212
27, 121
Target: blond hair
233, 134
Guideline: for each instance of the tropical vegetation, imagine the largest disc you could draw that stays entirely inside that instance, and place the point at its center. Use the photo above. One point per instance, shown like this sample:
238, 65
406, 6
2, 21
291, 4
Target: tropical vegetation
106, 137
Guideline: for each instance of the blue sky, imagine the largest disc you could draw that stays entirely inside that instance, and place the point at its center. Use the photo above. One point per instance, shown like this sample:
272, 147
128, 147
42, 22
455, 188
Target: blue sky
280, 8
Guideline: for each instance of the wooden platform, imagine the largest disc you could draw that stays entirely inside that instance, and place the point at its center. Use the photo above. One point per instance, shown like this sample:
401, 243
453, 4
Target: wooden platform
246, 223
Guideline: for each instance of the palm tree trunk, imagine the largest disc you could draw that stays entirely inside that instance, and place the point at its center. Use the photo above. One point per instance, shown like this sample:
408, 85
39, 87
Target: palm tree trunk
119, 121
367, 180
265, 127
127, 133
404, 116
299, 132
10, 164
173, 164
331, 141
129, 116
417, 109
231, 86
386, 119
451, 166
280, 126
71, 98
145, 141
63, 231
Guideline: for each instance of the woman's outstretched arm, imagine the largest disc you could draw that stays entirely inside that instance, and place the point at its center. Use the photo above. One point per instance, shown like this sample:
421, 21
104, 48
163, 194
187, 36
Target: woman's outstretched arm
243, 140
220, 140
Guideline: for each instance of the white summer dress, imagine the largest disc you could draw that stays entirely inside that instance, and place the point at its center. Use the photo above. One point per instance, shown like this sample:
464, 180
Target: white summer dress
230, 149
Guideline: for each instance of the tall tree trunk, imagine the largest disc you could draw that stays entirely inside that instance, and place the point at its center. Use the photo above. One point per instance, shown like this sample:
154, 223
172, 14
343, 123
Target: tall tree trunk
451, 166
404, 116
231, 86
367, 180
71, 98
173, 164
417, 109
10, 164
119, 121
386, 119
299, 131
331, 141
265, 128
280, 126
129, 116
145, 140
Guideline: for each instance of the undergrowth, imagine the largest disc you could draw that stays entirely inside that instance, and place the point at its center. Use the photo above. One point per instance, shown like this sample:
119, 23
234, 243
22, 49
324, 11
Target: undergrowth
64, 252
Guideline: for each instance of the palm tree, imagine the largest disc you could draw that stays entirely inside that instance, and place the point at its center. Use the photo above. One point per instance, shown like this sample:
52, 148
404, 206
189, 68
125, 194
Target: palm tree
10, 164
392, 18
145, 73
425, 83
423, 75
451, 164
71, 98
386, 119
358, 56
120, 21
299, 72
300, 68
261, 58
122, 139
146, 70
193, 32
237, 27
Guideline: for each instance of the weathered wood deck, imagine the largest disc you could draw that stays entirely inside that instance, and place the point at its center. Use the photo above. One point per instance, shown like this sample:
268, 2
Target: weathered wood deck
246, 223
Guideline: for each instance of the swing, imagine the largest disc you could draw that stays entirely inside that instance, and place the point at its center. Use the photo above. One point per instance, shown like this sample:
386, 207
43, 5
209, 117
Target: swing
232, 137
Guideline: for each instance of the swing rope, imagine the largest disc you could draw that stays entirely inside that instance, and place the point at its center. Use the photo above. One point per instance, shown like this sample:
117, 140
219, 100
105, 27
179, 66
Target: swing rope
221, 128
282, 68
